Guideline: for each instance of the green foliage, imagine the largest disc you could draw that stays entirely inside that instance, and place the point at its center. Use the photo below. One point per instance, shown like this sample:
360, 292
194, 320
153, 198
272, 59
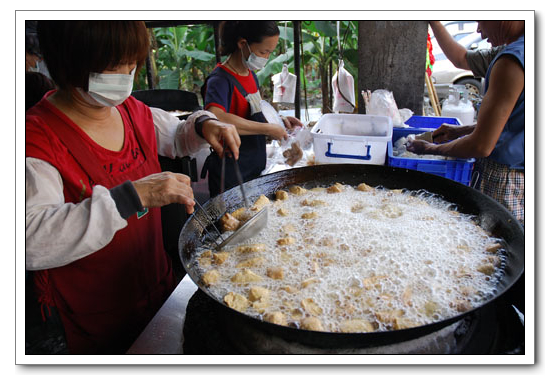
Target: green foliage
185, 56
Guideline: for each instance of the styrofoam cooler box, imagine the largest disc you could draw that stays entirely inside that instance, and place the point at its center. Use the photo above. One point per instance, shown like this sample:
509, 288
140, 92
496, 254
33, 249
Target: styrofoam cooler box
351, 138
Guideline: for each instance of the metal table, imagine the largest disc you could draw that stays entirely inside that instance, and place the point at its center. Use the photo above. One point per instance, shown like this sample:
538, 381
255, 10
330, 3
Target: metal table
164, 334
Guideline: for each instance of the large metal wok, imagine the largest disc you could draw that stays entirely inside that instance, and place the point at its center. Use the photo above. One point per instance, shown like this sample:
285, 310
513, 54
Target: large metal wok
492, 217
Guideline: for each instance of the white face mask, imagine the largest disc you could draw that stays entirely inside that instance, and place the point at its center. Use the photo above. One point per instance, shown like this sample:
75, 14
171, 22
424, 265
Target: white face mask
108, 90
255, 63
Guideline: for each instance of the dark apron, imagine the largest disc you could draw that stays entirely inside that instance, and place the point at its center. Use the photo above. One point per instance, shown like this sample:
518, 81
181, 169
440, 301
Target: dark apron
252, 152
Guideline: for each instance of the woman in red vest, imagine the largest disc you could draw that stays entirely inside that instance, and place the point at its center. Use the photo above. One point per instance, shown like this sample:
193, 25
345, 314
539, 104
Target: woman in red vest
94, 186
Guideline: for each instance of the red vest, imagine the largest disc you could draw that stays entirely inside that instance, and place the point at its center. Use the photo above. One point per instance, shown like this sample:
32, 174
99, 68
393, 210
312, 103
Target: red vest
105, 299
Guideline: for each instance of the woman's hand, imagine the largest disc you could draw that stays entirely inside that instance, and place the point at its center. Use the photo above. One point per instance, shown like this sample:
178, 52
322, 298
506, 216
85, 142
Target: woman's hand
447, 132
420, 147
275, 131
291, 123
218, 134
157, 190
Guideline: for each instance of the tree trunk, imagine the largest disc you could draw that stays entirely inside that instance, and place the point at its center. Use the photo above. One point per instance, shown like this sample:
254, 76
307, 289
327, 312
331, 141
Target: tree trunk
392, 56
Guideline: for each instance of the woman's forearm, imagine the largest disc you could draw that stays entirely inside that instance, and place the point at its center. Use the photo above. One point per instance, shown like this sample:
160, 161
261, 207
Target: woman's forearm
455, 52
465, 147
243, 126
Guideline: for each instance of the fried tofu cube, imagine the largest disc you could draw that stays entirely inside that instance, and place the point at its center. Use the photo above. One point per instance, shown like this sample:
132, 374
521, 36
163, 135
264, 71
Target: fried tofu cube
403, 323
251, 262
275, 272
313, 202
236, 301
389, 317
276, 318
309, 305
282, 212
308, 282
335, 188
260, 306
318, 189
246, 276
493, 259
229, 222
211, 277
493, 248
259, 296
312, 323
260, 203
286, 241
258, 293
356, 326
309, 215
205, 259
281, 195
220, 257
290, 289
297, 190
253, 248
430, 308
242, 214
487, 269
364, 187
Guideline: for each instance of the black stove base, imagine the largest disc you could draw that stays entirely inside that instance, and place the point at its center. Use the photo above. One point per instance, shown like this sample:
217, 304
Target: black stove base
494, 329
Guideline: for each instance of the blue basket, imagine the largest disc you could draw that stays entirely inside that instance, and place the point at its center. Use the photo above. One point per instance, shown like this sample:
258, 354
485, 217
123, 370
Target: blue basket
430, 121
459, 170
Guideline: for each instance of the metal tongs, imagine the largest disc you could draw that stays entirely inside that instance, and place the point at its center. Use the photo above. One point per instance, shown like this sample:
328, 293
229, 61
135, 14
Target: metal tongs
251, 227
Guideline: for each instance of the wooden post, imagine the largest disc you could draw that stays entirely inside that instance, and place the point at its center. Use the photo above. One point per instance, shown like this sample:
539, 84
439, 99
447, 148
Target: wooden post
297, 28
434, 100
215, 25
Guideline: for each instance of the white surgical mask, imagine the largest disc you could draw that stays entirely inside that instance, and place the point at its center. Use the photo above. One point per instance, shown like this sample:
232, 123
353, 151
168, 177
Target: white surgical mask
254, 62
108, 90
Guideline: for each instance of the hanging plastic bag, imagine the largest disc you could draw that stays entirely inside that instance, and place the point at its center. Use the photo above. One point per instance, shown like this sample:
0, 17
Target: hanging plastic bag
343, 87
381, 102
284, 86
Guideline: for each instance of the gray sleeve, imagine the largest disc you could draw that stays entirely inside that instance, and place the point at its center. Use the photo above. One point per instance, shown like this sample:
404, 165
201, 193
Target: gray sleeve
479, 60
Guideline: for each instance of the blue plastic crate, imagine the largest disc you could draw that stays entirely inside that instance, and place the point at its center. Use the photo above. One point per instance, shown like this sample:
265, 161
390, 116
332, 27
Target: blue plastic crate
459, 170
430, 121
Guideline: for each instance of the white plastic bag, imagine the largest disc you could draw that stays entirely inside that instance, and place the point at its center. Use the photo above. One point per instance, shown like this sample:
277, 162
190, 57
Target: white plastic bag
381, 102
343, 89
284, 86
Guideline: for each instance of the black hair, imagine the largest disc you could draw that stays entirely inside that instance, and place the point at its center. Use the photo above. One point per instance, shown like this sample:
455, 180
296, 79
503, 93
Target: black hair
36, 85
254, 31
73, 49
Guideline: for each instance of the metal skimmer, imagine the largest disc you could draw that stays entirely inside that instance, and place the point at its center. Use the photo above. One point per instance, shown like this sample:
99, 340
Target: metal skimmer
250, 228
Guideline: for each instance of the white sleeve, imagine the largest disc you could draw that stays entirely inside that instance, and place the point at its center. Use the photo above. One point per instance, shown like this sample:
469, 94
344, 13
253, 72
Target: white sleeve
177, 138
58, 233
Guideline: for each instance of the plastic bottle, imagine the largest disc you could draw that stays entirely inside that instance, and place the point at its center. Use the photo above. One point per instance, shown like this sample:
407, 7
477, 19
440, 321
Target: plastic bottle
458, 105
